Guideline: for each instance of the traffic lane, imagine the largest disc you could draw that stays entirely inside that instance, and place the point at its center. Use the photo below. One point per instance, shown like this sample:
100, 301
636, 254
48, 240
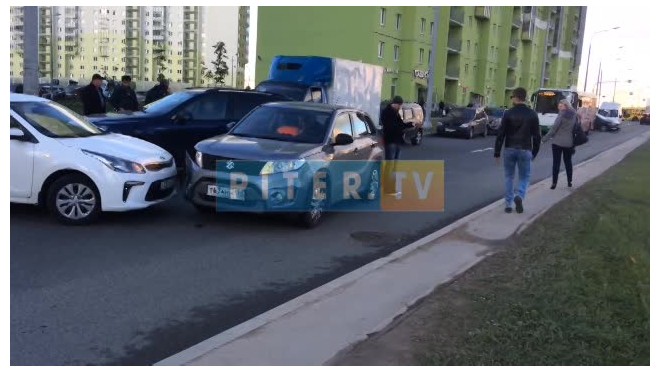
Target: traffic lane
141, 286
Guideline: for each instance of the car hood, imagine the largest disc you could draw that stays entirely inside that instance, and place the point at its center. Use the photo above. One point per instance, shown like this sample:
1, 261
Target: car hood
118, 145
454, 120
610, 120
246, 148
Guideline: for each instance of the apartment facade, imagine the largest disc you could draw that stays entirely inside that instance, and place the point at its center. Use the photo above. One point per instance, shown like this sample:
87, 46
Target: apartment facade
140, 41
482, 53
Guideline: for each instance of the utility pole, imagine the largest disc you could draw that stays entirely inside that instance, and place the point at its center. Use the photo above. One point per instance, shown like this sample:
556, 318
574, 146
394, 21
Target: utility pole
233, 80
431, 76
614, 94
31, 50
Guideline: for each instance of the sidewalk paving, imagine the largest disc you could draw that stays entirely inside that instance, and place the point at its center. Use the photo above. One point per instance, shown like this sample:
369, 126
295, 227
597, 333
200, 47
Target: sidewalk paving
315, 327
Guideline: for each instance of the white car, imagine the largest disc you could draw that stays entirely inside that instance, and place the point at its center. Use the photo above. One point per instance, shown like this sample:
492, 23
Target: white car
60, 160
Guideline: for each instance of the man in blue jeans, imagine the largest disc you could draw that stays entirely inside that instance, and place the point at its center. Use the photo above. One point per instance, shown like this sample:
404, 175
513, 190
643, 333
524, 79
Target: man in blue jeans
521, 136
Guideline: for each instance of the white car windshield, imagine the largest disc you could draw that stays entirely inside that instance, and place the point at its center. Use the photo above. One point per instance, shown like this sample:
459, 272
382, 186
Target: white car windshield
55, 121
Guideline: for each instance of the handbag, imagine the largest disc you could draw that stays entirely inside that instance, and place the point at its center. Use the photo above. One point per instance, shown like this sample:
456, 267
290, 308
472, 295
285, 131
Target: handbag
579, 137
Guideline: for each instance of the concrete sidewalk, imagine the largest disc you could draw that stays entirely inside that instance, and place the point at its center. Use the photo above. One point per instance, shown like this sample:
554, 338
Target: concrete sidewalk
313, 328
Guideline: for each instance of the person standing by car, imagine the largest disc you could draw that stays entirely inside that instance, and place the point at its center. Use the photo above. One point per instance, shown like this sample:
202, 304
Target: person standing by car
159, 91
92, 97
393, 127
521, 136
561, 134
123, 97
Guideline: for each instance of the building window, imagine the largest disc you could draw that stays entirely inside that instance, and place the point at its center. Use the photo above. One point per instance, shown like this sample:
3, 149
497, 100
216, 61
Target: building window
421, 55
467, 69
476, 48
490, 72
423, 26
468, 46
432, 29
470, 21
492, 52
381, 46
398, 21
382, 16
393, 88
429, 58
396, 52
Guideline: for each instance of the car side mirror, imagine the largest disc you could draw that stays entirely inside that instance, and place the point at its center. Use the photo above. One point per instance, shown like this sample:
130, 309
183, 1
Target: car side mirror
231, 125
343, 139
16, 134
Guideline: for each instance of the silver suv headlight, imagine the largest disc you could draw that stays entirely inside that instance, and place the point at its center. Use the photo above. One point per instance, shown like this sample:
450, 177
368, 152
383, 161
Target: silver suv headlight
273, 167
199, 158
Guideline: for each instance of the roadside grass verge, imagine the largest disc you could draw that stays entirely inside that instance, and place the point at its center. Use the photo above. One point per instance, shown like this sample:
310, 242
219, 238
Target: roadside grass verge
573, 289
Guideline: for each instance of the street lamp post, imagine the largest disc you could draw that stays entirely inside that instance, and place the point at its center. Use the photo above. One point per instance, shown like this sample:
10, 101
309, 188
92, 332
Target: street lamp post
586, 76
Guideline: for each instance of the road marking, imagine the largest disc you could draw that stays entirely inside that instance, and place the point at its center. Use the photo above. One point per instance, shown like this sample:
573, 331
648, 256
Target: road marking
482, 150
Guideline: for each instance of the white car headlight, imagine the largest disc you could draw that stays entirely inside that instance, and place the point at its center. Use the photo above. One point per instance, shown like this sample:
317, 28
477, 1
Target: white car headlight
199, 158
274, 167
465, 125
117, 164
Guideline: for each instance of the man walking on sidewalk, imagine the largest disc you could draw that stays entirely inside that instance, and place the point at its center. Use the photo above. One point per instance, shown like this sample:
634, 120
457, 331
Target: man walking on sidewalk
521, 136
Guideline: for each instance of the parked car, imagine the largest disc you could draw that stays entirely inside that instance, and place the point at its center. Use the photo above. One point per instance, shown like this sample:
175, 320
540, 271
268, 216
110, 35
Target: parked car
604, 123
645, 119
276, 138
60, 160
494, 119
464, 121
413, 113
180, 120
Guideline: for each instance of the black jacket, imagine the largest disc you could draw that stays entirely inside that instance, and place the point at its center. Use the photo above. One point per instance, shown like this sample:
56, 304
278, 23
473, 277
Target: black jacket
393, 125
156, 93
519, 130
91, 101
124, 98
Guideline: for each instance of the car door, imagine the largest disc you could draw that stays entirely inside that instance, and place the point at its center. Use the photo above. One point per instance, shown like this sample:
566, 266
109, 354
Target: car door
198, 119
363, 140
21, 158
348, 152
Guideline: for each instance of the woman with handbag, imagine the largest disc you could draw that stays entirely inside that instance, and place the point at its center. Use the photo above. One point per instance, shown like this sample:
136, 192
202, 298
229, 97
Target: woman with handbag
561, 134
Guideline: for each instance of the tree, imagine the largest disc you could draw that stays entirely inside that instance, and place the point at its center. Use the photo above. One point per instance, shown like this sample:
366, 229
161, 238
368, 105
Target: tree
221, 69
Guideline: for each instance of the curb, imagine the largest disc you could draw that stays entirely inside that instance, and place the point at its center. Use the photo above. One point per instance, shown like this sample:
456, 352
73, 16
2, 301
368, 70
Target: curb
318, 293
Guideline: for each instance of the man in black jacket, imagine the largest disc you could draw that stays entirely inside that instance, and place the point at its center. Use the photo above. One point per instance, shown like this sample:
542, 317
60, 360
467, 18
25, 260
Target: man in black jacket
92, 97
123, 98
158, 91
521, 136
393, 127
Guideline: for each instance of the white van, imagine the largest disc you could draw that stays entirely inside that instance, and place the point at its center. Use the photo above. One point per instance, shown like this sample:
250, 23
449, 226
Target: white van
611, 110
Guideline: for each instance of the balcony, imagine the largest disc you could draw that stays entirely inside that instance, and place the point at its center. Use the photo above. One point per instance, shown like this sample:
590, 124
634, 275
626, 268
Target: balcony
452, 73
513, 62
482, 12
527, 31
132, 34
104, 51
456, 16
132, 71
189, 18
511, 82
188, 56
516, 22
454, 45
513, 43
158, 37
189, 46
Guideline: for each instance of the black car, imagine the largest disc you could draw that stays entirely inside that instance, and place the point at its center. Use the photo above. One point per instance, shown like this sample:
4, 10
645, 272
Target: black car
180, 120
307, 140
494, 119
604, 123
645, 119
464, 121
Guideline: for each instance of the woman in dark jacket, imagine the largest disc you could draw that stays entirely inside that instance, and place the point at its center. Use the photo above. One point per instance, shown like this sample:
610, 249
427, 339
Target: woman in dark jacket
561, 134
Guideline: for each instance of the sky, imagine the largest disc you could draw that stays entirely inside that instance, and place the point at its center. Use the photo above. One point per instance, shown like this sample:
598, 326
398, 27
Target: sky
632, 62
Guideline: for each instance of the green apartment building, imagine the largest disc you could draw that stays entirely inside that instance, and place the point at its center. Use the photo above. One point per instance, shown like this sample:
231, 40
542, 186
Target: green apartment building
482, 52
76, 42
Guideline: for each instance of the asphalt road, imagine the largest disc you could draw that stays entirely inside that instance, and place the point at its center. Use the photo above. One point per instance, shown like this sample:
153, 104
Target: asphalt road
138, 287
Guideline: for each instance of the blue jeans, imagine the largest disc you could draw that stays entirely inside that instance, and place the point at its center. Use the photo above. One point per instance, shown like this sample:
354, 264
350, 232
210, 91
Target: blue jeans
512, 158
392, 151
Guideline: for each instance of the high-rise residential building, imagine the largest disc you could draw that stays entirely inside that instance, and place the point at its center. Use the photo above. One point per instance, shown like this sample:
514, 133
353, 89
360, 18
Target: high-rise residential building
141, 41
482, 52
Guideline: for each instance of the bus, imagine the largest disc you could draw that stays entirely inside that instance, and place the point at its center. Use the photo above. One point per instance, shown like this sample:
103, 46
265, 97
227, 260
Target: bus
546, 100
